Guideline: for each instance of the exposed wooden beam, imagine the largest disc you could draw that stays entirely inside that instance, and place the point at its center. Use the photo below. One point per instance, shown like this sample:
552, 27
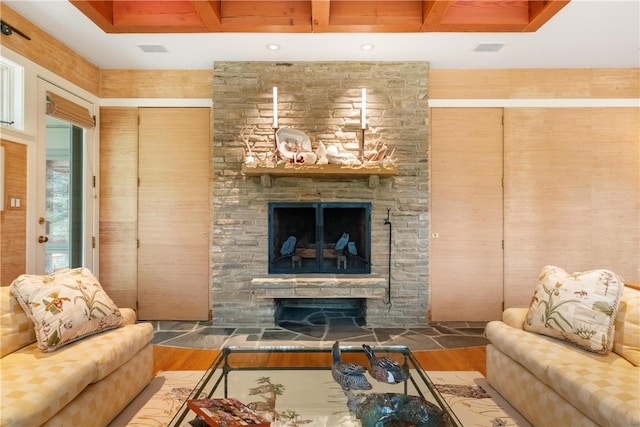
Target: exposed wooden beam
209, 12
542, 11
100, 12
478, 16
433, 12
377, 13
150, 14
306, 16
266, 16
320, 10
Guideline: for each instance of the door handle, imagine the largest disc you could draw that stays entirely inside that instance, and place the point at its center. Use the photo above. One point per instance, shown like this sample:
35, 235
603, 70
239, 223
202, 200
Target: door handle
43, 221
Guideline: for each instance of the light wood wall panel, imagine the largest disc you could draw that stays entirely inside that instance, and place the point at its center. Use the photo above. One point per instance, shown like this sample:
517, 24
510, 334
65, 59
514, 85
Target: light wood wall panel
13, 221
156, 84
572, 188
119, 204
49, 53
534, 83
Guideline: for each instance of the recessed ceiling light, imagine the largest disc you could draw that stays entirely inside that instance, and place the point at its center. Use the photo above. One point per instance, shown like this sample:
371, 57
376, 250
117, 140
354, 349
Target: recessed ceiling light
152, 48
367, 46
488, 47
273, 46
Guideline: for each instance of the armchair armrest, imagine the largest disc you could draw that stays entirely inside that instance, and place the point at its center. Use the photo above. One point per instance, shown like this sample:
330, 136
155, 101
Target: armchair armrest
128, 315
515, 317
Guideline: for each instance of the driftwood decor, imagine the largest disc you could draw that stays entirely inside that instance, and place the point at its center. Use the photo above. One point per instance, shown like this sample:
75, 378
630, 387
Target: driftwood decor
295, 155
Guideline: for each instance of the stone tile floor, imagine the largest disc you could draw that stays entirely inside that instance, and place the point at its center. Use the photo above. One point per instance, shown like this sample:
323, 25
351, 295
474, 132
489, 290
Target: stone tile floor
319, 329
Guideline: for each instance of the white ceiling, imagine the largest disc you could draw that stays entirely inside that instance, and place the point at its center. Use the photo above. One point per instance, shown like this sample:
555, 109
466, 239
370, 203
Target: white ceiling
584, 34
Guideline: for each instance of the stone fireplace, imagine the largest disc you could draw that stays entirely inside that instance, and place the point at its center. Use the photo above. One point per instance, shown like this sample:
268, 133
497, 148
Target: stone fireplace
387, 267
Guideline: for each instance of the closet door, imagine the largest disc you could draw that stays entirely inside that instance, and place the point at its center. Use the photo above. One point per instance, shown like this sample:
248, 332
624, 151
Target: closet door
466, 259
173, 213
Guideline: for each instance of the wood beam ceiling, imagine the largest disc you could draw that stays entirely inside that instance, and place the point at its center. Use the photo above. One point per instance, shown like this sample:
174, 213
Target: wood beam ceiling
318, 16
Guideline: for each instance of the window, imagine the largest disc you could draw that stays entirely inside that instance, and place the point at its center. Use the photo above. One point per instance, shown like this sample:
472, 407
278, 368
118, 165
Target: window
11, 94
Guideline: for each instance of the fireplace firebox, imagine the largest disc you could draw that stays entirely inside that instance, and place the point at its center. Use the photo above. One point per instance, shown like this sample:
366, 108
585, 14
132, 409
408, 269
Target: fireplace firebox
331, 237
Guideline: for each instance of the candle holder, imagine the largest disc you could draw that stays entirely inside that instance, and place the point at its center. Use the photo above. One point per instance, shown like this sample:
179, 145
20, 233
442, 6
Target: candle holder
362, 145
275, 136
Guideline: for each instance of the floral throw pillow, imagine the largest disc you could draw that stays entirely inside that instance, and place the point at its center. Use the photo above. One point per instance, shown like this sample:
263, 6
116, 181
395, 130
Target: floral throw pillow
579, 308
65, 306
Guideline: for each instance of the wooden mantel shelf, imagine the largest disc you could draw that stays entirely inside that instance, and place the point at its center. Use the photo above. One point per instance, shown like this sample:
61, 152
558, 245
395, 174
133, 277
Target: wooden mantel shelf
328, 171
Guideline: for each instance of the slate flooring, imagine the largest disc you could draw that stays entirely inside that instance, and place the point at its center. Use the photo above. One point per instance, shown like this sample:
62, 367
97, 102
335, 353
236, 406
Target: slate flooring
319, 328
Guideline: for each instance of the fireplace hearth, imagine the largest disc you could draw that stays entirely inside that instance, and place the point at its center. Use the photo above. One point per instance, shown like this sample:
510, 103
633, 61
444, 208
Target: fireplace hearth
320, 237
319, 311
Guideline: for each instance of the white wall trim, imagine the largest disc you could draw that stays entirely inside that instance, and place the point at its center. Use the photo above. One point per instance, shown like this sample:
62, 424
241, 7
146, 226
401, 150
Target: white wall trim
536, 103
1, 178
156, 102
453, 103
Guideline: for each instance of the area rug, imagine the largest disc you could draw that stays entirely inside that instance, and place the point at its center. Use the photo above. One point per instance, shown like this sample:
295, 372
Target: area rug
469, 395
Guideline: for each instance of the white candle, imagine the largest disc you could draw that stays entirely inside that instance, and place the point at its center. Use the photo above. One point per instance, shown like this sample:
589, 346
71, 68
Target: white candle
275, 107
364, 108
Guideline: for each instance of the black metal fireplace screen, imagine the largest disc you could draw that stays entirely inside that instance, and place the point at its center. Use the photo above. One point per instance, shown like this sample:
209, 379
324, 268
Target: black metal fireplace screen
320, 237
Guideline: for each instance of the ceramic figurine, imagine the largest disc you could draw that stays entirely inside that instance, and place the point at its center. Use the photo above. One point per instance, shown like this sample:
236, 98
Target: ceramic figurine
289, 246
384, 409
342, 242
350, 376
384, 369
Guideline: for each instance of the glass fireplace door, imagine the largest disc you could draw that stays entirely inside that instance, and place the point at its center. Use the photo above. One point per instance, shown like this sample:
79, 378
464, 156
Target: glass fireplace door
319, 238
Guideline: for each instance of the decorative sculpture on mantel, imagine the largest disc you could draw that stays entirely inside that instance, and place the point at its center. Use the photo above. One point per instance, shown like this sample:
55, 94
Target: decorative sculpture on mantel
266, 158
295, 147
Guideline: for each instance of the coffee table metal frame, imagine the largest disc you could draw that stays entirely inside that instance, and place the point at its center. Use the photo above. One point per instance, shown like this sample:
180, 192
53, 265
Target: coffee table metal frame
217, 374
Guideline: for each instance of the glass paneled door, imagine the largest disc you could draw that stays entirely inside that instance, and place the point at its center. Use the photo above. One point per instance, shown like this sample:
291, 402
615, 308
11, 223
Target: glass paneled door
64, 195
65, 182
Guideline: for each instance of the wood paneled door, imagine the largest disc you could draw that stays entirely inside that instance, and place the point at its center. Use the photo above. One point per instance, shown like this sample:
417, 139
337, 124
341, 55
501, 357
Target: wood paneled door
173, 213
466, 259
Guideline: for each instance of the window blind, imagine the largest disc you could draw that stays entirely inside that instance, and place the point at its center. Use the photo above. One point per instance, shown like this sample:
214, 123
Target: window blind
68, 111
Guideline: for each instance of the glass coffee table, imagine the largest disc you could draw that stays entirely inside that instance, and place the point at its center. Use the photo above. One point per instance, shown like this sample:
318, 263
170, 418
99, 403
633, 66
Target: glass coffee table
293, 386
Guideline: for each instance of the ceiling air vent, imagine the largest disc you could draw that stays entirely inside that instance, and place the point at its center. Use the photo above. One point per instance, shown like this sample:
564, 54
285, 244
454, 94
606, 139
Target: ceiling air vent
152, 48
488, 47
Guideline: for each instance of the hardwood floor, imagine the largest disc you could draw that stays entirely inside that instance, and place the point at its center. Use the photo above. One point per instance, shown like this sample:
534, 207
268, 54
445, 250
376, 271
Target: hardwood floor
464, 359
181, 359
